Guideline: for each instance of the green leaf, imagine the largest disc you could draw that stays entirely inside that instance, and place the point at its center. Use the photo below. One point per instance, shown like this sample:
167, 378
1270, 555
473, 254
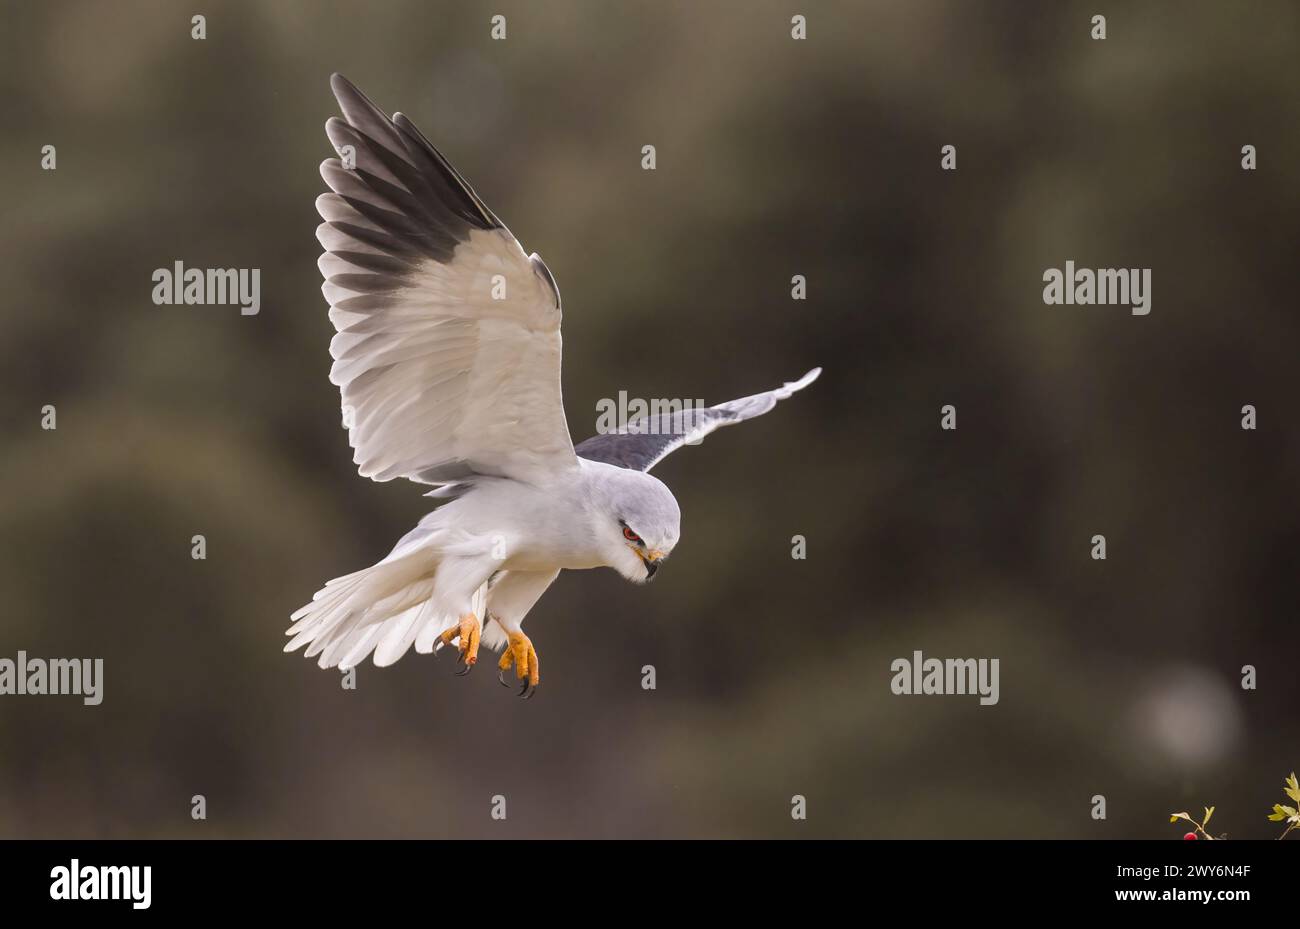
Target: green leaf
1278, 814
1174, 817
1209, 811
1292, 788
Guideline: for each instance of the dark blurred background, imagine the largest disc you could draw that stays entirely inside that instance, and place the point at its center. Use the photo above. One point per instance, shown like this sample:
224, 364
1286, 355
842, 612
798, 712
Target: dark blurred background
775, 158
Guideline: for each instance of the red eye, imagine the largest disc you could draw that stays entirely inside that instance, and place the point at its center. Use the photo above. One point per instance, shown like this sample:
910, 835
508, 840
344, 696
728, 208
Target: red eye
631, 536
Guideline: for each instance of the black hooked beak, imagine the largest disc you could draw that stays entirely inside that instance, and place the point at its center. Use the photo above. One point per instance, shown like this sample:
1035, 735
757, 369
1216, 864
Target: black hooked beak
650, 568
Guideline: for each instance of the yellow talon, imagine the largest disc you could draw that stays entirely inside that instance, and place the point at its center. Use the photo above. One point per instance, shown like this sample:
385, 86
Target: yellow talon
469, 631
523, 656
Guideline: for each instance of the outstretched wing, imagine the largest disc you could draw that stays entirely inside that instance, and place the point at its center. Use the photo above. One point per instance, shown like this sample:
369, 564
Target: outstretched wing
448, 346
644, 442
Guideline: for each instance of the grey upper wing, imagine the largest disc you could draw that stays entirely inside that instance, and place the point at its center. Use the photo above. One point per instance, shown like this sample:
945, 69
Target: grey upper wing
644, 442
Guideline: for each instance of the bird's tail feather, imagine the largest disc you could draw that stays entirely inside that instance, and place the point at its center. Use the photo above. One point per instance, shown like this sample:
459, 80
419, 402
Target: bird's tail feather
384, 609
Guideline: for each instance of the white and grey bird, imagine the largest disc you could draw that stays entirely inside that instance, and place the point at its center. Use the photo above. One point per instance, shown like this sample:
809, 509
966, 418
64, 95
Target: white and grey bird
448, 359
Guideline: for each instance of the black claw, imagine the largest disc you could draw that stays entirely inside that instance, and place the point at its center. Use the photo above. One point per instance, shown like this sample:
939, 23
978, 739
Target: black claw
468, 667
501, 676
529, 695
523, 690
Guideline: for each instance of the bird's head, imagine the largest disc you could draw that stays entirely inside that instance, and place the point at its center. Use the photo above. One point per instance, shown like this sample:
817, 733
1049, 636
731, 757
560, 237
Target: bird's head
637, 523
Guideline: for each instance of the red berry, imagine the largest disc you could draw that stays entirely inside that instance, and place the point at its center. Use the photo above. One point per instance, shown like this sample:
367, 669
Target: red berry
1191, 836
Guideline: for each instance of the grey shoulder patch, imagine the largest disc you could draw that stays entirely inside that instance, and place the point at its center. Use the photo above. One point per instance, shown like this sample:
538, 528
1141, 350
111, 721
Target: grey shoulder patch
650, 438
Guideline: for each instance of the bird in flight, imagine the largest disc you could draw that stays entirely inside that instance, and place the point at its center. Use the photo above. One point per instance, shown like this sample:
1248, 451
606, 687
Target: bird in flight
447, 355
